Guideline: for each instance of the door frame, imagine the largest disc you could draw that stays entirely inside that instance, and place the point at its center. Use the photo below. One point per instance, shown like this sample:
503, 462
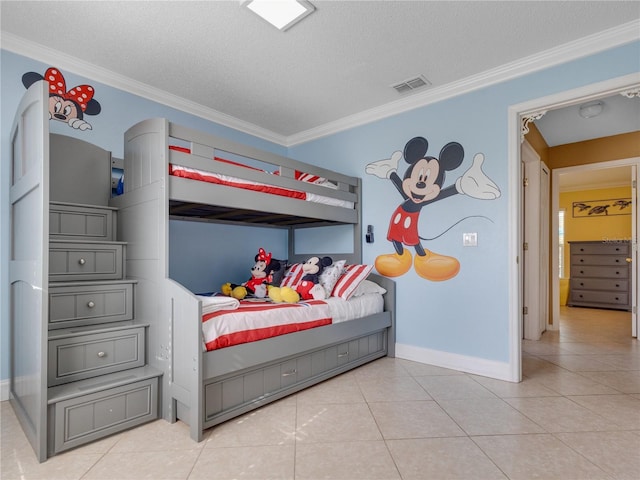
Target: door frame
515, 134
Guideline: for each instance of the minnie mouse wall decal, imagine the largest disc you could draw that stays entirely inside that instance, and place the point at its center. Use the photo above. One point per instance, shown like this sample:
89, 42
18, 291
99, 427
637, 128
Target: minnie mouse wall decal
67, 106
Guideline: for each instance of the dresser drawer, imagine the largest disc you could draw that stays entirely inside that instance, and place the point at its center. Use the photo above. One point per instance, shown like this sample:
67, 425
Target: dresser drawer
604, 260
81, 222
595, 297
89, 303
76, 356
601, 248
85, 418
615, 285
580, 271
70, 261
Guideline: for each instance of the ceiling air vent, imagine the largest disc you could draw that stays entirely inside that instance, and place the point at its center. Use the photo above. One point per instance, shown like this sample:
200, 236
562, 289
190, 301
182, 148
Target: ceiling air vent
411, 84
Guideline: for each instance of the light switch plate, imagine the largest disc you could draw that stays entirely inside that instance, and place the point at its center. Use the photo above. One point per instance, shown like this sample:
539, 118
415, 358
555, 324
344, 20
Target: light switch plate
469, 239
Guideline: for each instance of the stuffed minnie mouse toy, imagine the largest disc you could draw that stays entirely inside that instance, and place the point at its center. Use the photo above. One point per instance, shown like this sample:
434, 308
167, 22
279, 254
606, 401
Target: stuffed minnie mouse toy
261, 275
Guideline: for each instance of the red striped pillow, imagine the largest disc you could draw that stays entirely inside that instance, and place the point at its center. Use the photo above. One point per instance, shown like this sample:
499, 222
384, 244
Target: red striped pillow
350, 279
293, 276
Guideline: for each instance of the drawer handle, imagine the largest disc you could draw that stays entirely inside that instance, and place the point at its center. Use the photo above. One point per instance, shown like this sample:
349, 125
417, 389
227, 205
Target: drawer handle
82, 261
340, 355
91, 304
581, 260
581, 284
289, 373
101, 354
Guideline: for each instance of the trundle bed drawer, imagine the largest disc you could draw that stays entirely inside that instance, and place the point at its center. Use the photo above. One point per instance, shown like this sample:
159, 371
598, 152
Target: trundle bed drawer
85, 418
89, 303
85, 261
253, 385
76, 356
81, 222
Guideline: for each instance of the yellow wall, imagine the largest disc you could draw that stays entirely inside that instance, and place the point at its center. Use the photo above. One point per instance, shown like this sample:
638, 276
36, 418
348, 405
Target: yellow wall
601, 227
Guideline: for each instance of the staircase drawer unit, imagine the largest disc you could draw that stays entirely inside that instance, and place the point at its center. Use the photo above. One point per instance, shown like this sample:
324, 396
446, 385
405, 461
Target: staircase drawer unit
69, 261
89, 303
77, 355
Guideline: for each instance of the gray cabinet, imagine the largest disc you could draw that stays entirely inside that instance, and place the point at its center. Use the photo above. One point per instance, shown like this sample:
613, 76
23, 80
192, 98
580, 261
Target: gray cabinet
600, 275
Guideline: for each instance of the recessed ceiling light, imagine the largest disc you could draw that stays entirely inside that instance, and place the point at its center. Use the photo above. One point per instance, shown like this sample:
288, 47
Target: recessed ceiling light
282, 14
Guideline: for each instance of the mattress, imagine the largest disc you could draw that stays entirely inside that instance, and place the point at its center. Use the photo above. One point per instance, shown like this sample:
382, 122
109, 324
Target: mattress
220, 179
257, 319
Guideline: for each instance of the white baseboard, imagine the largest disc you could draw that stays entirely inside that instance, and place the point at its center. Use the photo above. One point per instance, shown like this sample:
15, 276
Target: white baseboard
454, 361
4, 390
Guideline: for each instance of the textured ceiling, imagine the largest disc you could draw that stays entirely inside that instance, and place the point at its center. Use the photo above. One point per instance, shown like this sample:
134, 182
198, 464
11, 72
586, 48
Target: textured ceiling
339, 61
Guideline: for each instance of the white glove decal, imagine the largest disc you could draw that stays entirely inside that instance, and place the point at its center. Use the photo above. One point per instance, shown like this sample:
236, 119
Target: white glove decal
384, 168
475, 183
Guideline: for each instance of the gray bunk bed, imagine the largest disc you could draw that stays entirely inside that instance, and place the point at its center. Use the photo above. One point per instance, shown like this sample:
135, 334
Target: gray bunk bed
205, 388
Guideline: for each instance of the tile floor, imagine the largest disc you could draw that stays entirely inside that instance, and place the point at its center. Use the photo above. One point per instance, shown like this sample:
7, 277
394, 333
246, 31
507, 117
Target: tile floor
576, 415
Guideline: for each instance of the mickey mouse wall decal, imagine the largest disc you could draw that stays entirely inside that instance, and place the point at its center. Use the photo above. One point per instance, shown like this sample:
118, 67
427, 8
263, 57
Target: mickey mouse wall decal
422, 185
66, 106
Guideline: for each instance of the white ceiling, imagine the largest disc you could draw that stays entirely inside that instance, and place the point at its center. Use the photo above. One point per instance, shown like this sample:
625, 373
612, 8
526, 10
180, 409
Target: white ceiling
337, 63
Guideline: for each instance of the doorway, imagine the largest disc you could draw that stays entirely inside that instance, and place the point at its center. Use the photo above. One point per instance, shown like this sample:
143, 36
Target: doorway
622, 173
530, 110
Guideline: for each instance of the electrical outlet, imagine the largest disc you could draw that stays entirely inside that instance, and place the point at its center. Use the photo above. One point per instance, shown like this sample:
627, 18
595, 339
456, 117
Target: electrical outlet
469, 239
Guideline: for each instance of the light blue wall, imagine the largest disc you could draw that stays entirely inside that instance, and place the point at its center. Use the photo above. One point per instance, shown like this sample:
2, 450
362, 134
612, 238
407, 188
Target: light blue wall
467, 315
120, 110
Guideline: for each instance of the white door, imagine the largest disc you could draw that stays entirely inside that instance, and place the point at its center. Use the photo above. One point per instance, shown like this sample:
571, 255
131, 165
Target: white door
28, 268
535, 249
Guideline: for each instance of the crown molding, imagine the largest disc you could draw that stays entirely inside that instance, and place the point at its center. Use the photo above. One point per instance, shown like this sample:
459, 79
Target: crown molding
63, 61
589, 45
611, 38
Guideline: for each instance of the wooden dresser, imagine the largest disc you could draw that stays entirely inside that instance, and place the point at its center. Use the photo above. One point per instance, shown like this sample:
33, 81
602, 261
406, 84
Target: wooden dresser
600, 275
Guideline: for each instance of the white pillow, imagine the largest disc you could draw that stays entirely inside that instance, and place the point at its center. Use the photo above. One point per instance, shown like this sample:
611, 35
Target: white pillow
367, 286
348, 282
330, 276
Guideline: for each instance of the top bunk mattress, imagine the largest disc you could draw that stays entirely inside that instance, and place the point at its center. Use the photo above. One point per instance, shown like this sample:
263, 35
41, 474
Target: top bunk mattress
245, 184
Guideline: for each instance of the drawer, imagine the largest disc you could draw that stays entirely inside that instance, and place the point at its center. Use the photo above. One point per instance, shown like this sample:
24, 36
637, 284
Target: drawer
580, 271
85, 418
616, 285
601, 248
605, 260
81, 222
593, 297
85, 261
255, 385
89, 303
76, 356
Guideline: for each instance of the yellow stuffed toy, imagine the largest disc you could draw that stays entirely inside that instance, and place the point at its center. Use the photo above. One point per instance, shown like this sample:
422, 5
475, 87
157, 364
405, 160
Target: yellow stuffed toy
283, 294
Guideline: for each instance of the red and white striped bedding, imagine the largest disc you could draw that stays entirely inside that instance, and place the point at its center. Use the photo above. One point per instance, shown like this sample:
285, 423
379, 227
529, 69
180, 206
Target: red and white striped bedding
257, 320
220, 179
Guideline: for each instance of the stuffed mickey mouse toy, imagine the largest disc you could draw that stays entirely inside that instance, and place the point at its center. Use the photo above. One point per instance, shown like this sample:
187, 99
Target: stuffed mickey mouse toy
261, 275
309, 286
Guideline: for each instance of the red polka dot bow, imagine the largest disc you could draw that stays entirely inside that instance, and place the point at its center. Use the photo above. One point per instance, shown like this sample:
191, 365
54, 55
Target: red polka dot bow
81, 94
264, 256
